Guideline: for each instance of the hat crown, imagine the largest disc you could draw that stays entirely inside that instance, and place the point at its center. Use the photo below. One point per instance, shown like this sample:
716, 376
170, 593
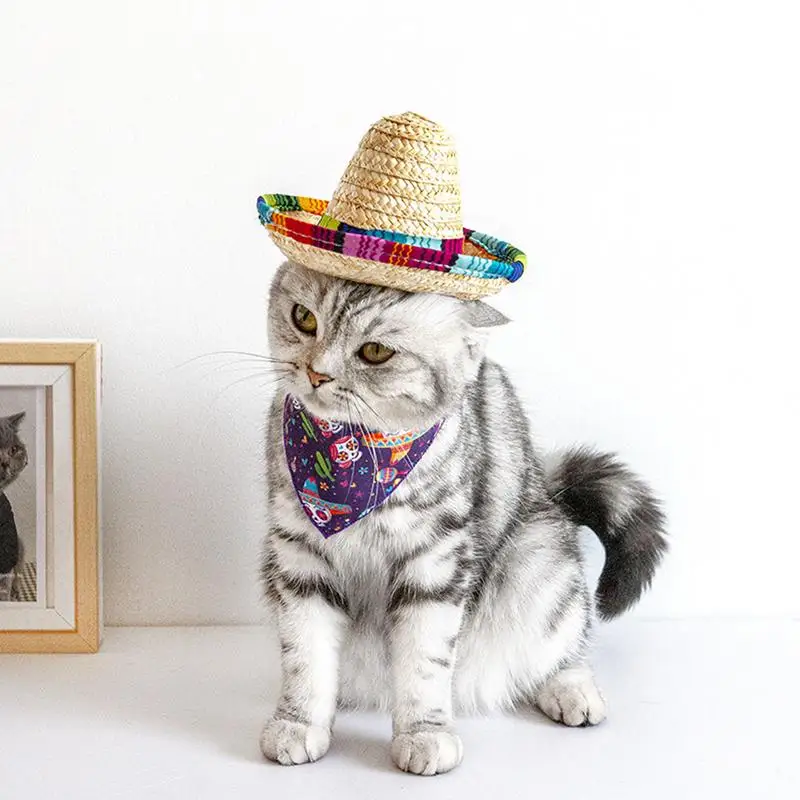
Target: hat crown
404, 179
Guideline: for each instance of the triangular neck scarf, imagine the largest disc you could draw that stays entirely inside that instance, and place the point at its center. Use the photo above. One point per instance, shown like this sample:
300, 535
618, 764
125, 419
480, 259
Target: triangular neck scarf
340, 471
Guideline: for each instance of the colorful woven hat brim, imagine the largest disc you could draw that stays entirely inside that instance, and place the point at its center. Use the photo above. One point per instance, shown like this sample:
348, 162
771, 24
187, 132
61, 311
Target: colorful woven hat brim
468, 268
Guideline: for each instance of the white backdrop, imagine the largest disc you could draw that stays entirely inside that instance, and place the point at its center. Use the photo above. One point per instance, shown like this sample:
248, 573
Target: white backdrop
643, 154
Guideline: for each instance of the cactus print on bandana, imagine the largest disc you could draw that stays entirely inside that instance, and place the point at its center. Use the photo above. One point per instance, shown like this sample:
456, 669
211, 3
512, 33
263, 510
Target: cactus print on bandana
340, 472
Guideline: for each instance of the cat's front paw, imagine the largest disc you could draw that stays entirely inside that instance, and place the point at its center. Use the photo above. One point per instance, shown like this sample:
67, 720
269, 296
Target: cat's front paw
427, 752
572, 700
290, 742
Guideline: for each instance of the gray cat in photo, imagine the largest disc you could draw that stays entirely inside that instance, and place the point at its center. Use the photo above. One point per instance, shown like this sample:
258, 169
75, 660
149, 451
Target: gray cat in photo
13, 459
465, 591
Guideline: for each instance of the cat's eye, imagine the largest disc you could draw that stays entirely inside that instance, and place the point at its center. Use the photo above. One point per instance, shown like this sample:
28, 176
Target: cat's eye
14, 451
374, 353
303, 319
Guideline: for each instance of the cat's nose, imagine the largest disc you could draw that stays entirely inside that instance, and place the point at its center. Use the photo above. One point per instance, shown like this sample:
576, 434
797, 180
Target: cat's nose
317, 378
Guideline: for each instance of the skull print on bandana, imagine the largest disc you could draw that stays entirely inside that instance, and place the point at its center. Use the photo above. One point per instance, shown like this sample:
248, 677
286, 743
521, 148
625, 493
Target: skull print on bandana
340, 480
345, 451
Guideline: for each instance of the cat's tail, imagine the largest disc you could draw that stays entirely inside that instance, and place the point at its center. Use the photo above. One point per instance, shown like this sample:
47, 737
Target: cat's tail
598, 491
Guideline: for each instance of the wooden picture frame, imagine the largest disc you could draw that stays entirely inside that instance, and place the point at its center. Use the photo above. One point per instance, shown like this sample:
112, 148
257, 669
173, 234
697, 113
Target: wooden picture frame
63, 380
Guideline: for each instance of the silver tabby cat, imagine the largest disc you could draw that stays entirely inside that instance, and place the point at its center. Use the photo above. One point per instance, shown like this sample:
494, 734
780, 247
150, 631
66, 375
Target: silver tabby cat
466, 590
13, 459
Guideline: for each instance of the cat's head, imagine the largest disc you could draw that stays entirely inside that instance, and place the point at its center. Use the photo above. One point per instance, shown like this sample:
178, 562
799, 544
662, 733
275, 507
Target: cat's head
13, 455
392, 360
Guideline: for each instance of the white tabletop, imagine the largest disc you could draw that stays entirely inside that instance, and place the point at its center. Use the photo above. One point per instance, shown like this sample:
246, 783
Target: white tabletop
698, 709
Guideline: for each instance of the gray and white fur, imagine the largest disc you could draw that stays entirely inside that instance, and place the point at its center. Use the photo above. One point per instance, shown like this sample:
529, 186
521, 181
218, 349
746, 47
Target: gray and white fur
13, 459
464, 592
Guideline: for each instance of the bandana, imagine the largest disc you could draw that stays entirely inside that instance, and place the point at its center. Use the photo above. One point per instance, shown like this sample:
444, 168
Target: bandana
340, 471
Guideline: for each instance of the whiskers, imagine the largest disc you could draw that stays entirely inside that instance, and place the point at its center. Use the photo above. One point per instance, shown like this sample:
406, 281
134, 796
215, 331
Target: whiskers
351, 396
236, 356
274, 380
266, 371
358, 400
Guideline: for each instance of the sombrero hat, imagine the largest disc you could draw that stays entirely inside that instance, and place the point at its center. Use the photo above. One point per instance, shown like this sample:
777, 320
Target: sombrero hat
395, 219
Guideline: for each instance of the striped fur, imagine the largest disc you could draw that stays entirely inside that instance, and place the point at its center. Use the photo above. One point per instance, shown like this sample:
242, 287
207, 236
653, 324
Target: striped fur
465, 591
596, 490
13, 460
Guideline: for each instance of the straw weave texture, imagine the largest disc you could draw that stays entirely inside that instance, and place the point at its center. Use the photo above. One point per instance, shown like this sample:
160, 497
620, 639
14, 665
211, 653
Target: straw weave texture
403, 178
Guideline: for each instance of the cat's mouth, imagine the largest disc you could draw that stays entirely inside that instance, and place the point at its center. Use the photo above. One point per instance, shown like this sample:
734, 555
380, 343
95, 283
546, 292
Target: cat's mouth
7, 477
332, 403
324, 403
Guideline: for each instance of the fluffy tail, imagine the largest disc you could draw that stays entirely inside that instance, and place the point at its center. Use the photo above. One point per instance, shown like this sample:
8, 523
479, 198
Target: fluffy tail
598, 491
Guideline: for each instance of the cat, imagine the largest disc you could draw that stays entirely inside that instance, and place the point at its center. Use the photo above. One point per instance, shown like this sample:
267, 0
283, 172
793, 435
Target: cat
13, 459
465, 591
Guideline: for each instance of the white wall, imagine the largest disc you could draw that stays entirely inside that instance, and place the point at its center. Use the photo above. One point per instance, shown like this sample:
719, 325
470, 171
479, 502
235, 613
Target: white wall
644, 154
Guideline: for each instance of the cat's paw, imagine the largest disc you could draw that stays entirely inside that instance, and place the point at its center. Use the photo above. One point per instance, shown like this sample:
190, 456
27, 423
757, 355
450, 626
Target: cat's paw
290, 742
427, 752
573, 699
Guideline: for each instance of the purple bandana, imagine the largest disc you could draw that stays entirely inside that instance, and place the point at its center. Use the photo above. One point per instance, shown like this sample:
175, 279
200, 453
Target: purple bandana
340, 472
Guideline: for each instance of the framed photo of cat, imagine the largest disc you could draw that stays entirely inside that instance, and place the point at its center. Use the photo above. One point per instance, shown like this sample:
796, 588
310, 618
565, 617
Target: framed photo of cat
50, 599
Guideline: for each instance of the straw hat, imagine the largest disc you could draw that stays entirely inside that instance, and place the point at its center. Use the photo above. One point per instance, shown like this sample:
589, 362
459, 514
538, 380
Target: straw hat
395, 219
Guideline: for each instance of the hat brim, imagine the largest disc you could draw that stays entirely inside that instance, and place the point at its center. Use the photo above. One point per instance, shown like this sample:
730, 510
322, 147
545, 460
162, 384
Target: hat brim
475, 267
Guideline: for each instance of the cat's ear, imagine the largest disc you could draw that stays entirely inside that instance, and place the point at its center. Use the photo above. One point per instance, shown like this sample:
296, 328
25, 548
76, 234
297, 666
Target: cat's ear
15, 420
482, 315
479, 316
